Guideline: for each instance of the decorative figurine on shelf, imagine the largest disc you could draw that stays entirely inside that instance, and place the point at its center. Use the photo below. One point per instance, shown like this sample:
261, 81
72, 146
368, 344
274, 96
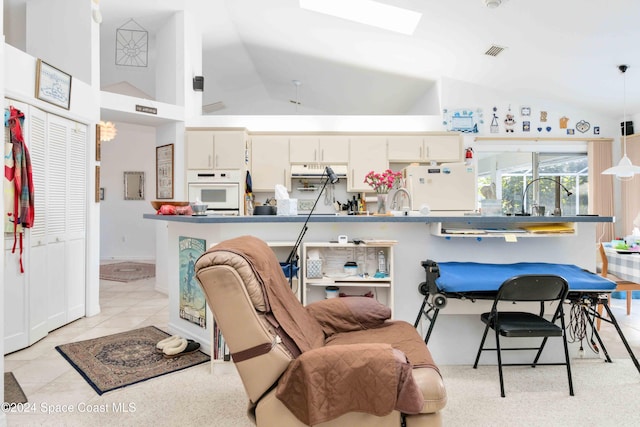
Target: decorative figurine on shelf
509, 122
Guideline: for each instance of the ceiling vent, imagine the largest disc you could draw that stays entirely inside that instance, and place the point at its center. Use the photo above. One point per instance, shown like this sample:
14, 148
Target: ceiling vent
212, 108
494, 50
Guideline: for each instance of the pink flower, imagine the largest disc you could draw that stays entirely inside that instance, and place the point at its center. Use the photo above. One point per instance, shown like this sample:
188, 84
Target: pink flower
382, 183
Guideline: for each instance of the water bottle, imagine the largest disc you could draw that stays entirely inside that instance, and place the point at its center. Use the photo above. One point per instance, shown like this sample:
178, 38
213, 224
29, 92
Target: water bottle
382, 263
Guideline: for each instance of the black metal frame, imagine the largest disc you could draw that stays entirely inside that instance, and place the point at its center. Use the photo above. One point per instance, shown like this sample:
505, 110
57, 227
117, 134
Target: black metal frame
527, 288
434, 300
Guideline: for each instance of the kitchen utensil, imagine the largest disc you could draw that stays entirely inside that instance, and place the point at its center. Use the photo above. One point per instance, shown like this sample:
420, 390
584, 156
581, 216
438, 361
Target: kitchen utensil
264, 210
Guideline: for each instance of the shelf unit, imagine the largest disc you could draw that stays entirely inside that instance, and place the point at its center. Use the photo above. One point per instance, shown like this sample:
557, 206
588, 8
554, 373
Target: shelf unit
492, 230
333, 256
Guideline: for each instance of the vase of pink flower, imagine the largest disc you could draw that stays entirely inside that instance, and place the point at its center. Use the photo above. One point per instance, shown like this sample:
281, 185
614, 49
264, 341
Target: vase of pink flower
381, 184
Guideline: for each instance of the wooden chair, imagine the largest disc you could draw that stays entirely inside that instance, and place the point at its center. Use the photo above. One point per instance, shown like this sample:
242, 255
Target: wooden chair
621, 284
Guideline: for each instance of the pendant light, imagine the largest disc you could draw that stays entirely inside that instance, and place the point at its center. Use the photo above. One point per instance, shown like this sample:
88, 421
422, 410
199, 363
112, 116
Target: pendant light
625, 170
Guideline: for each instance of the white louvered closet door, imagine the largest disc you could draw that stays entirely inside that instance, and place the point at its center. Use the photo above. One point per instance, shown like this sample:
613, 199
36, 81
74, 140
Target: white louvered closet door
36, 259
75, 247
56, 212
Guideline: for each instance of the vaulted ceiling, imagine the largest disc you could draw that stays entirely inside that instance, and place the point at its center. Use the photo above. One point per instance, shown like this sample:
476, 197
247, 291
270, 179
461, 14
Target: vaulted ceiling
253, 50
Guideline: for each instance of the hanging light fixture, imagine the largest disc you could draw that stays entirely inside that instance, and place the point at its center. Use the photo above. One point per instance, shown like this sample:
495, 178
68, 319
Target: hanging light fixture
108, 131
625, 170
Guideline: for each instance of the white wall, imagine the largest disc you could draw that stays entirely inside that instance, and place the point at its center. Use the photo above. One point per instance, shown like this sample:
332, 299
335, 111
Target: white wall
124, 233
66, 43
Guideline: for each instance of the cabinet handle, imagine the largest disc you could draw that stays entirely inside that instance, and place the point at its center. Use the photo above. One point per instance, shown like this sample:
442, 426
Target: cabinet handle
315, 155
209, 161
428, 154
216, 160
421, 152
322, 155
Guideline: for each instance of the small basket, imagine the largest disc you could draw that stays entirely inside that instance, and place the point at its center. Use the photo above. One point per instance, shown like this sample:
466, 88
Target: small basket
286, 269
314, 269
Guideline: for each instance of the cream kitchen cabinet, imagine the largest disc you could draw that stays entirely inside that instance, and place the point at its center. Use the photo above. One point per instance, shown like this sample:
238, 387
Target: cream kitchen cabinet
270, 162
425, 148
215, 150
366, 154
325, 149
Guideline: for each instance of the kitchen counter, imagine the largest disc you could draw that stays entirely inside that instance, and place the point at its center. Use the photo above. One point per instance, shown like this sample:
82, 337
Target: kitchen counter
428, 219
418, 238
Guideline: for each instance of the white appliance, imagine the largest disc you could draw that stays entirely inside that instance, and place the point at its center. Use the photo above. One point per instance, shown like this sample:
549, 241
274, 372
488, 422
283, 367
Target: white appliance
219, 190
445, 187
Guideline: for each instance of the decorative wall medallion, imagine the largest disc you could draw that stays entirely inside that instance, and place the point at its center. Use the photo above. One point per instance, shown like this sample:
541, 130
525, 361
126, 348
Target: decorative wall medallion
543, 116
525, 111
583, 126
596, 130
526, 126
563, 122
570, 132
132, 45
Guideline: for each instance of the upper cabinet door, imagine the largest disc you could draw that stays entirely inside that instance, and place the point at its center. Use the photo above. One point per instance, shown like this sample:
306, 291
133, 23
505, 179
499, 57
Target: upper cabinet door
304, 149
405, 148
270, 162
228, 149
334, 149
443, 148
199, 149
366, 153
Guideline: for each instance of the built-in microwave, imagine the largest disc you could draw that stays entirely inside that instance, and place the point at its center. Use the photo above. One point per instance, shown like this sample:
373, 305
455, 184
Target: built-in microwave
219, 191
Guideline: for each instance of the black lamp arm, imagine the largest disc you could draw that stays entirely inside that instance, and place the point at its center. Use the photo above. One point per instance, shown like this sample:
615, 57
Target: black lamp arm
293, 254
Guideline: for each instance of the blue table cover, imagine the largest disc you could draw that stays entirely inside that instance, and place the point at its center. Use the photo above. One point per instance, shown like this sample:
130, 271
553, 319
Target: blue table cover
480, 277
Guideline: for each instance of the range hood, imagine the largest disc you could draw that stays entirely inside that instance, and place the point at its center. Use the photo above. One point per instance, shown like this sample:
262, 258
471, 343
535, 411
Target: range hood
317, 171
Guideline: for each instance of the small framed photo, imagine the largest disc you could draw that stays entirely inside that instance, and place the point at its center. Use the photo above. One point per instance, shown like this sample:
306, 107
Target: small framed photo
525, 111
98, 155
98, 193
53, 85
164, 172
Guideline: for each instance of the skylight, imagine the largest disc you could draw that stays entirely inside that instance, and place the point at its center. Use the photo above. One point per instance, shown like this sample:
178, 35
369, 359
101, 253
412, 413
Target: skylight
367, 12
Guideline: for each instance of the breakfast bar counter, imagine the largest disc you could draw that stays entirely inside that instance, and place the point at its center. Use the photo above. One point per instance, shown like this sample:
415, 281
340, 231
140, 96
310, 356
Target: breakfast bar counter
445, 238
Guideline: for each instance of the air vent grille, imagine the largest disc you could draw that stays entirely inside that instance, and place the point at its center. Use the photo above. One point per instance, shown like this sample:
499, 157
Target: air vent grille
211, 108
494, 50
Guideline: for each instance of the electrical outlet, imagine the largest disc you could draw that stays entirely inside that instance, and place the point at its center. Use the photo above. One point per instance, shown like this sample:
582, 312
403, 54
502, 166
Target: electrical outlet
305, 204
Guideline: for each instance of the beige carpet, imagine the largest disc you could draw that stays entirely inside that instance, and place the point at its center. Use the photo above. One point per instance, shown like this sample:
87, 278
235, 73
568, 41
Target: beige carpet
12, 391
127, 271
605, 395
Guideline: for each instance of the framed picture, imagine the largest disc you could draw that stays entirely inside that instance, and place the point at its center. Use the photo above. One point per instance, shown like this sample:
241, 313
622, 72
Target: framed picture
98, 142
164, 172
53, 85
97, 193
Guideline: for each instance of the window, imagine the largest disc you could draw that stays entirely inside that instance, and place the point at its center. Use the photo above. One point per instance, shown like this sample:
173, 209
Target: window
505, 176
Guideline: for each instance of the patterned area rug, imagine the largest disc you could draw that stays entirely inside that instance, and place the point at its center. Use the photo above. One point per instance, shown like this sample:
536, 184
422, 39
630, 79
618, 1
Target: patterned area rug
12, 391
119, 360
127, 271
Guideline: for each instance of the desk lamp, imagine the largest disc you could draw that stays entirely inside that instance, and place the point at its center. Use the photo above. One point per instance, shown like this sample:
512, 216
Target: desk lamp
331, 177
524, 194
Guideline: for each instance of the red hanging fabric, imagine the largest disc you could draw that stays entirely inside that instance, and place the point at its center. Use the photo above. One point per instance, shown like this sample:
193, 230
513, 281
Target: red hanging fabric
23, 209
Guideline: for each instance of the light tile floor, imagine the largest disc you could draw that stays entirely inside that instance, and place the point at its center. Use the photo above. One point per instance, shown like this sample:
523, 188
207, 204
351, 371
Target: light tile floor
46, 377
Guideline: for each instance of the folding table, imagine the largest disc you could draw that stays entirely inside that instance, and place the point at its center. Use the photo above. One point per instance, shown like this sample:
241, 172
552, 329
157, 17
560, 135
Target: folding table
478, 281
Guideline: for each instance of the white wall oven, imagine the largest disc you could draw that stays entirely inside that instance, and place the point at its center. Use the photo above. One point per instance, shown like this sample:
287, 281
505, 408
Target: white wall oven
219, 190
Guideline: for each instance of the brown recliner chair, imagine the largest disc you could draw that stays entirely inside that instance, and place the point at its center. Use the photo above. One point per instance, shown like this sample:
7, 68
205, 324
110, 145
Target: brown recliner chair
336, 362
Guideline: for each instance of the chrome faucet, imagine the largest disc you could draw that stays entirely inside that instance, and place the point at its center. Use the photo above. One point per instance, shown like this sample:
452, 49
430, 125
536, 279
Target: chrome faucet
394, 200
